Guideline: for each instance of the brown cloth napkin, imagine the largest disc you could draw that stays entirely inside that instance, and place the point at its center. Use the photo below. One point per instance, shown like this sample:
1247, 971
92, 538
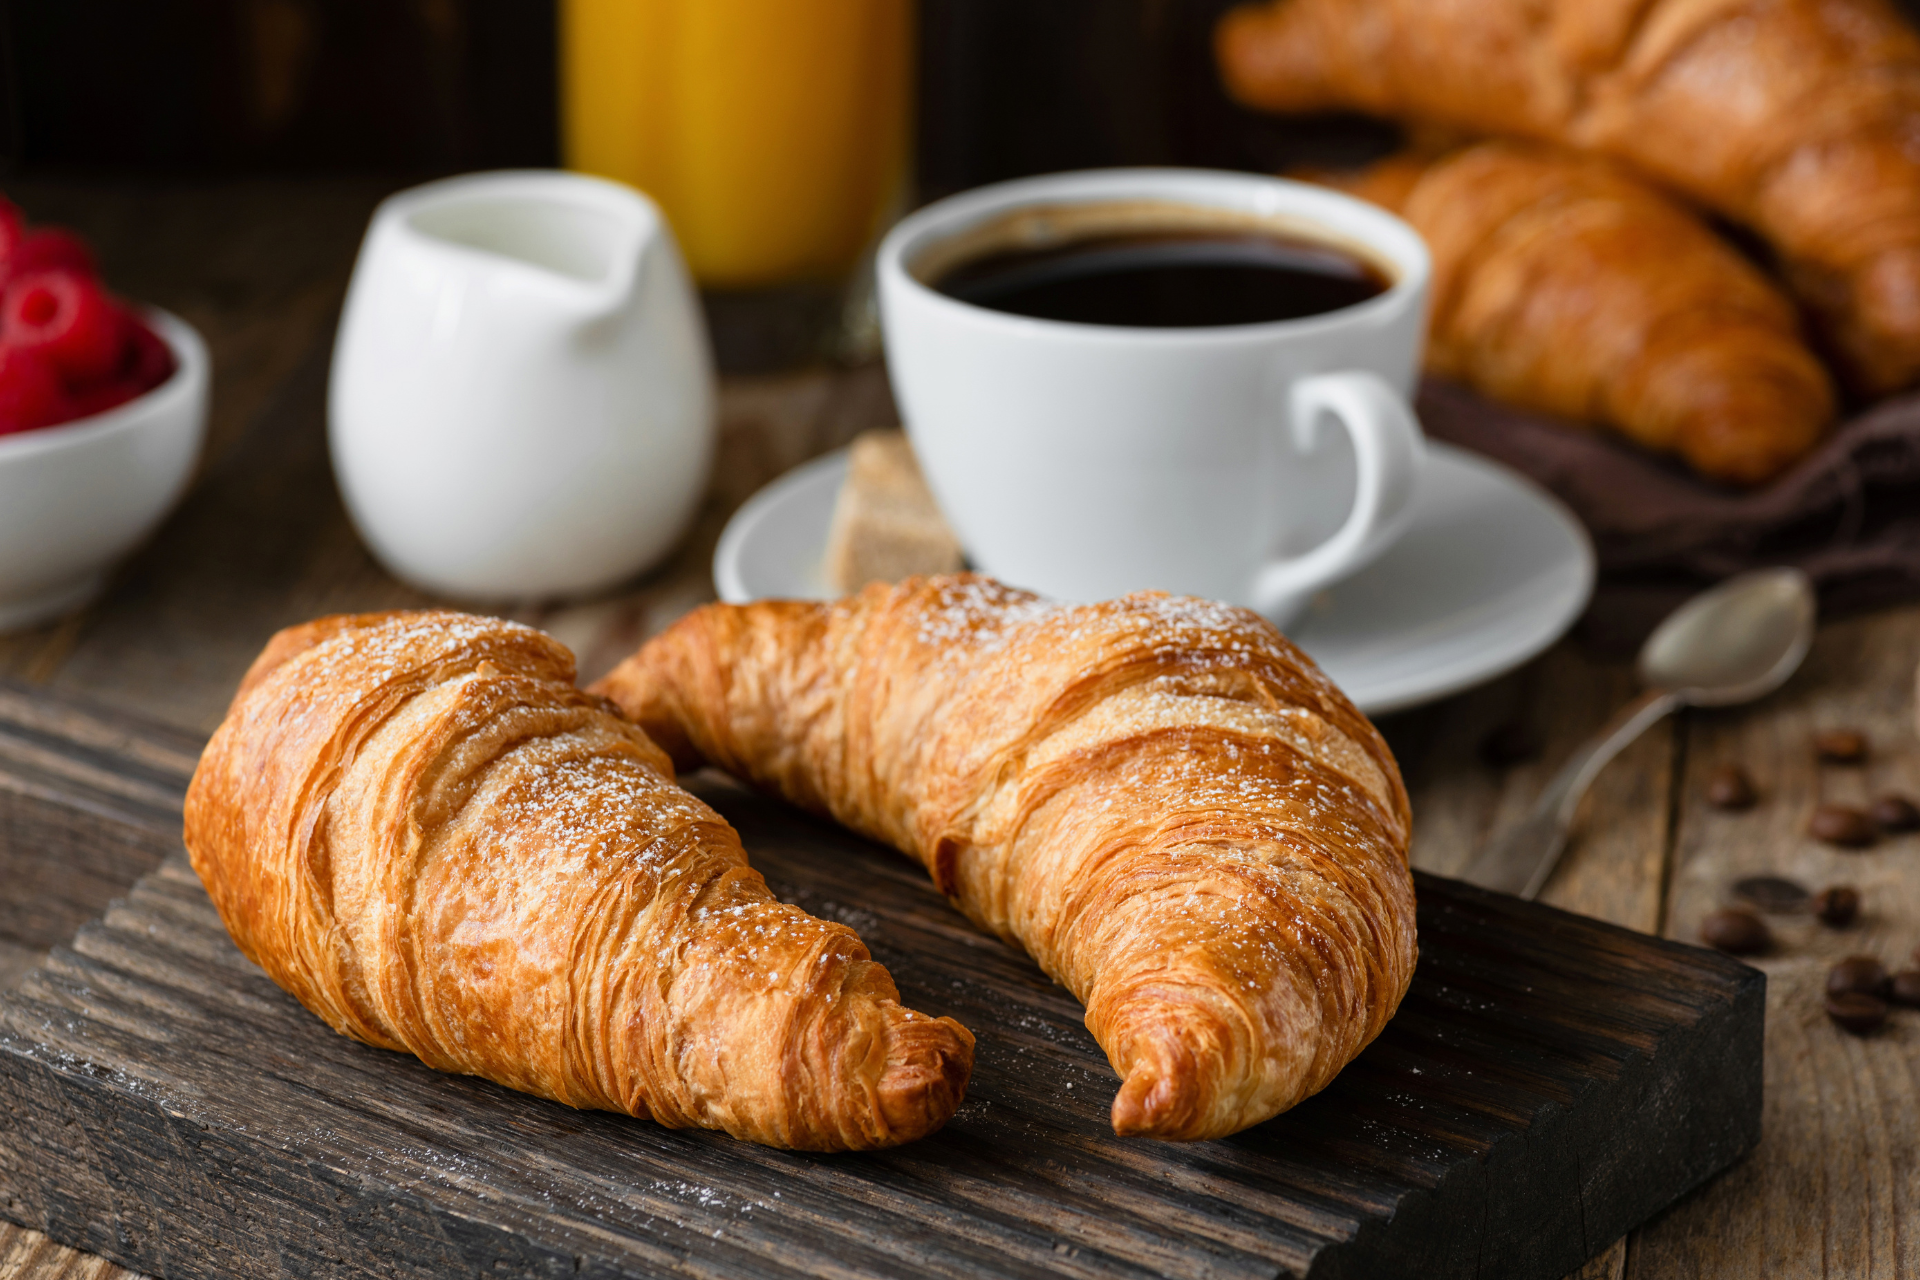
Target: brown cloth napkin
1849, 514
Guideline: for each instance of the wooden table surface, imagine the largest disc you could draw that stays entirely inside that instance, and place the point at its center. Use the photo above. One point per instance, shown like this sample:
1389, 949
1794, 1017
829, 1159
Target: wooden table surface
262, 541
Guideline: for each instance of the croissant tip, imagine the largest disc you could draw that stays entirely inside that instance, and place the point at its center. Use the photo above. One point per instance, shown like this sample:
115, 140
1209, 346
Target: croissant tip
1156, 1103
929, 1063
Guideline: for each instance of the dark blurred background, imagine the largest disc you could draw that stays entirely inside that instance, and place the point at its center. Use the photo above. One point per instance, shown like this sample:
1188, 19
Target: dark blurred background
415, 87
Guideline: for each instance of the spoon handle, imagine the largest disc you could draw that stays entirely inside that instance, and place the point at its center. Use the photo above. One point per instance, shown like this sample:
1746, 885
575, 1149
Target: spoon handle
1520, 861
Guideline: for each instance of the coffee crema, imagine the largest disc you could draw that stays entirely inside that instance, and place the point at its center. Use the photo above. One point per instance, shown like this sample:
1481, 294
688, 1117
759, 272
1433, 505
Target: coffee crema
1166, 279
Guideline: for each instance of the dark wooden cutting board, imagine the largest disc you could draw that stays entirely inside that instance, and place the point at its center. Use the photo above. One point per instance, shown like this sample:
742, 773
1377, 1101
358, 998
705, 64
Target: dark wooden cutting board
89, 800
1549, 1082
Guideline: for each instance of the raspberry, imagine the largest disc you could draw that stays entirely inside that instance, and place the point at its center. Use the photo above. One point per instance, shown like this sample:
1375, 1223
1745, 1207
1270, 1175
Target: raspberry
30, 392
147, 363
66, 318
50, 248
98, 397
149, 360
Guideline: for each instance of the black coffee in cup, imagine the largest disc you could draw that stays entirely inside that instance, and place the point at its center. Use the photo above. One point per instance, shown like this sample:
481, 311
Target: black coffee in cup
1170, 278
1090, 460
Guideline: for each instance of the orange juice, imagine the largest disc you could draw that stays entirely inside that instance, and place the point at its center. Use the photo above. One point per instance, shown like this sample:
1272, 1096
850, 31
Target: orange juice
773, 132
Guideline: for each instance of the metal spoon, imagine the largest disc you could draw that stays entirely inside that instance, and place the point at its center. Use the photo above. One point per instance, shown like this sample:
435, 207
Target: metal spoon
1726, 646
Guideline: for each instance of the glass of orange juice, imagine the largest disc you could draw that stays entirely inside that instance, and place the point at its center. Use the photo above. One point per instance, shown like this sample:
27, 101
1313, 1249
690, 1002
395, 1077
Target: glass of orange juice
772, 132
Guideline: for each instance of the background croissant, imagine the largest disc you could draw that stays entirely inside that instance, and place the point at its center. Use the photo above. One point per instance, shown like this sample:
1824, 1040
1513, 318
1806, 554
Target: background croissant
1800, 118
1563, 283
420, 828
1166, 804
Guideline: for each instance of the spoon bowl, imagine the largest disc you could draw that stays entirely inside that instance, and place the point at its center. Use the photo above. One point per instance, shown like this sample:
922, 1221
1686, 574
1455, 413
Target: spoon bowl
1731, 644
1734, 643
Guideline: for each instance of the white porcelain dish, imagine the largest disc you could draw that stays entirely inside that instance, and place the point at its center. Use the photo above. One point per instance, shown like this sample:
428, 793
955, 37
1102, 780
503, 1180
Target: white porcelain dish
522, 399
1088, 460
74, 498
1491, 571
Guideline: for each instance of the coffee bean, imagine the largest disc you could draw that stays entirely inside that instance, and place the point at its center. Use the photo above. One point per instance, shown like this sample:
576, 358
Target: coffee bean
1736, 932
1772, 894
1906, 988
1514, 742
1837, 905
1838, 824
1862, 974
1895, 813
1729, 787
1857, 1014
1840, 746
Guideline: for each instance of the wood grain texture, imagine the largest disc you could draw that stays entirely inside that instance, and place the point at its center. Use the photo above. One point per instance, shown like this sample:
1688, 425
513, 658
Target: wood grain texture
1549, 1081
16, 961
1615, 862
1837, 1175
1614, 868
27, 1253
1609, 1264
89, 800
1834, 1188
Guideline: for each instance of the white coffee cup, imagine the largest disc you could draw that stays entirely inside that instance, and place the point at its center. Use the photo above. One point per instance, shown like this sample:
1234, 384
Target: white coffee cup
1088, 460
522, 402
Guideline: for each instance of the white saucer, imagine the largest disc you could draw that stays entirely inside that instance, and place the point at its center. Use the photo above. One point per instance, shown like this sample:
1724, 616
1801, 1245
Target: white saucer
1492, 571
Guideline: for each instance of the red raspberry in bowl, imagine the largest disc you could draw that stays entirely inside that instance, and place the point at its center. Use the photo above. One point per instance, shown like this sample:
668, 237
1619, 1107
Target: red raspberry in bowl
47, 249
67, 348
67, 319
31, 394
148, 362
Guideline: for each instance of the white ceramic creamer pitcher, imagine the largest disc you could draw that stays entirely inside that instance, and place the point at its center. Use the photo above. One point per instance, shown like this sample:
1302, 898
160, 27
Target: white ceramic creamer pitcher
522, 400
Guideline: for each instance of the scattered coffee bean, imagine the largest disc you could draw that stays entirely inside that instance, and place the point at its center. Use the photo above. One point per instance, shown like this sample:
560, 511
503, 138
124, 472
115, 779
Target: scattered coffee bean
1729, 787
1840, 746
1514, 742
1736, 932
1862, 974
1837, 905
1857, 1014
1838, 824
1896, 813
1772, 894
1906, 988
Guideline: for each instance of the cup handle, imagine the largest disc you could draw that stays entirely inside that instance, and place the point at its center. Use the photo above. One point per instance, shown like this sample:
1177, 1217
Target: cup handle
1389, 452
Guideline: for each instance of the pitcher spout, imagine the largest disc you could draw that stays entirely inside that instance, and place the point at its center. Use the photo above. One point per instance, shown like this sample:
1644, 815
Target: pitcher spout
586, 243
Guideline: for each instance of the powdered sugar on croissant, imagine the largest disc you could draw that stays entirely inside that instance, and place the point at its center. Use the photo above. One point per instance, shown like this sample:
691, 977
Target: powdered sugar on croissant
420, 828
1160, 798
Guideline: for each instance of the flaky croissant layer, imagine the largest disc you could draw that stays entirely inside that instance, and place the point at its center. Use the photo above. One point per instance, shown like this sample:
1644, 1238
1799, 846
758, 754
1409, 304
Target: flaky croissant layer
419, 827
1160, 798
1561, 282
1798, 118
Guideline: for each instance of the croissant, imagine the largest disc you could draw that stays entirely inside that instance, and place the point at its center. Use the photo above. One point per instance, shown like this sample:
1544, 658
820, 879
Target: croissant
418, 827
1800, 118
1562, 283
1159, 798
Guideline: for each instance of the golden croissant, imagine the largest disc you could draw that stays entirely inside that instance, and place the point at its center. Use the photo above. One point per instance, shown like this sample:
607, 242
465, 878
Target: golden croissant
1160, 798
419, 827
1796, 117
1562, 283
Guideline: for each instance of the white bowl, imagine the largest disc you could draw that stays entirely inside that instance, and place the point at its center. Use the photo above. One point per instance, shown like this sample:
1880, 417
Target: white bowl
76, 497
